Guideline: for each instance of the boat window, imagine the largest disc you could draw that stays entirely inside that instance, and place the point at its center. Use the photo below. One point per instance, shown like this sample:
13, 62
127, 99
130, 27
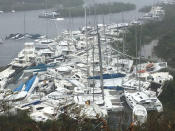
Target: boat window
143, 101
154, 100
146, 103
77, 76
39, 108
162, 64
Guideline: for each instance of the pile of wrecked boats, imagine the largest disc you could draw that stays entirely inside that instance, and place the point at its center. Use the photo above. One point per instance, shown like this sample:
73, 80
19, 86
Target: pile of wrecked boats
81, 74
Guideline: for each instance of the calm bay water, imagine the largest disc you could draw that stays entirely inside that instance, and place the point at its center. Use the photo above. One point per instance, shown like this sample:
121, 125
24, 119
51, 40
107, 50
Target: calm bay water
14, 23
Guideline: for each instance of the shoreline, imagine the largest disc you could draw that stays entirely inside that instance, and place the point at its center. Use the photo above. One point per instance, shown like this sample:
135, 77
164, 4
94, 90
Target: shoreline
78, 11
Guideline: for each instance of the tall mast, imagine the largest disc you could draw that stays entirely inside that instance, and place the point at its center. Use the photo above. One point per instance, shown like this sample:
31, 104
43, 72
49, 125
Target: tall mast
109, 11
124, 33
70, 23
24, 23
100, 60
104, 32
47, 19
93, 68
136, 39
140, 44
87, 52
93, 55
70, 28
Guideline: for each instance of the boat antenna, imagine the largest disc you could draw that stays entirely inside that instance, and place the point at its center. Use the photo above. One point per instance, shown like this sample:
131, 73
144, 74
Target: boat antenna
101, 66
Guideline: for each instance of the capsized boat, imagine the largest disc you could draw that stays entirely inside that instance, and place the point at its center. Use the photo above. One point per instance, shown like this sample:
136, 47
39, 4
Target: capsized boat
139, 114
93, 111
145, 98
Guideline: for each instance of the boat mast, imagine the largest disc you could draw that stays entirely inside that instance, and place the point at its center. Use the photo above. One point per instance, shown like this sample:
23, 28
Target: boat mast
24, 22
95, 15
100, 60
87, 52
93, 67
110, 12
104, 32
47, 19
140, 44
136, 39
70, 28
124, 33
138, 55
93, 55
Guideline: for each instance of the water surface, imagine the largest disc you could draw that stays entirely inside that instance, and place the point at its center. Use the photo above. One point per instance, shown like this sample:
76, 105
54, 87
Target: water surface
14, 23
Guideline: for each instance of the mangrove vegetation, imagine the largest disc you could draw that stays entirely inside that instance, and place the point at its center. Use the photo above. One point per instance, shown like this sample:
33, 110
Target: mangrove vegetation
164, 31
19, 5
97, 9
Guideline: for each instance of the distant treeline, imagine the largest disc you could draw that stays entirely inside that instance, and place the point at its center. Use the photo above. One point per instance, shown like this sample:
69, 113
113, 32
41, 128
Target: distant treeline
105, 8
67, 8
8, 5
145, 9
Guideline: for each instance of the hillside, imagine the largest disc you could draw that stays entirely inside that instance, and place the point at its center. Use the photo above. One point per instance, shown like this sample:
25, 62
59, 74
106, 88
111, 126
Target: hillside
164, 31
